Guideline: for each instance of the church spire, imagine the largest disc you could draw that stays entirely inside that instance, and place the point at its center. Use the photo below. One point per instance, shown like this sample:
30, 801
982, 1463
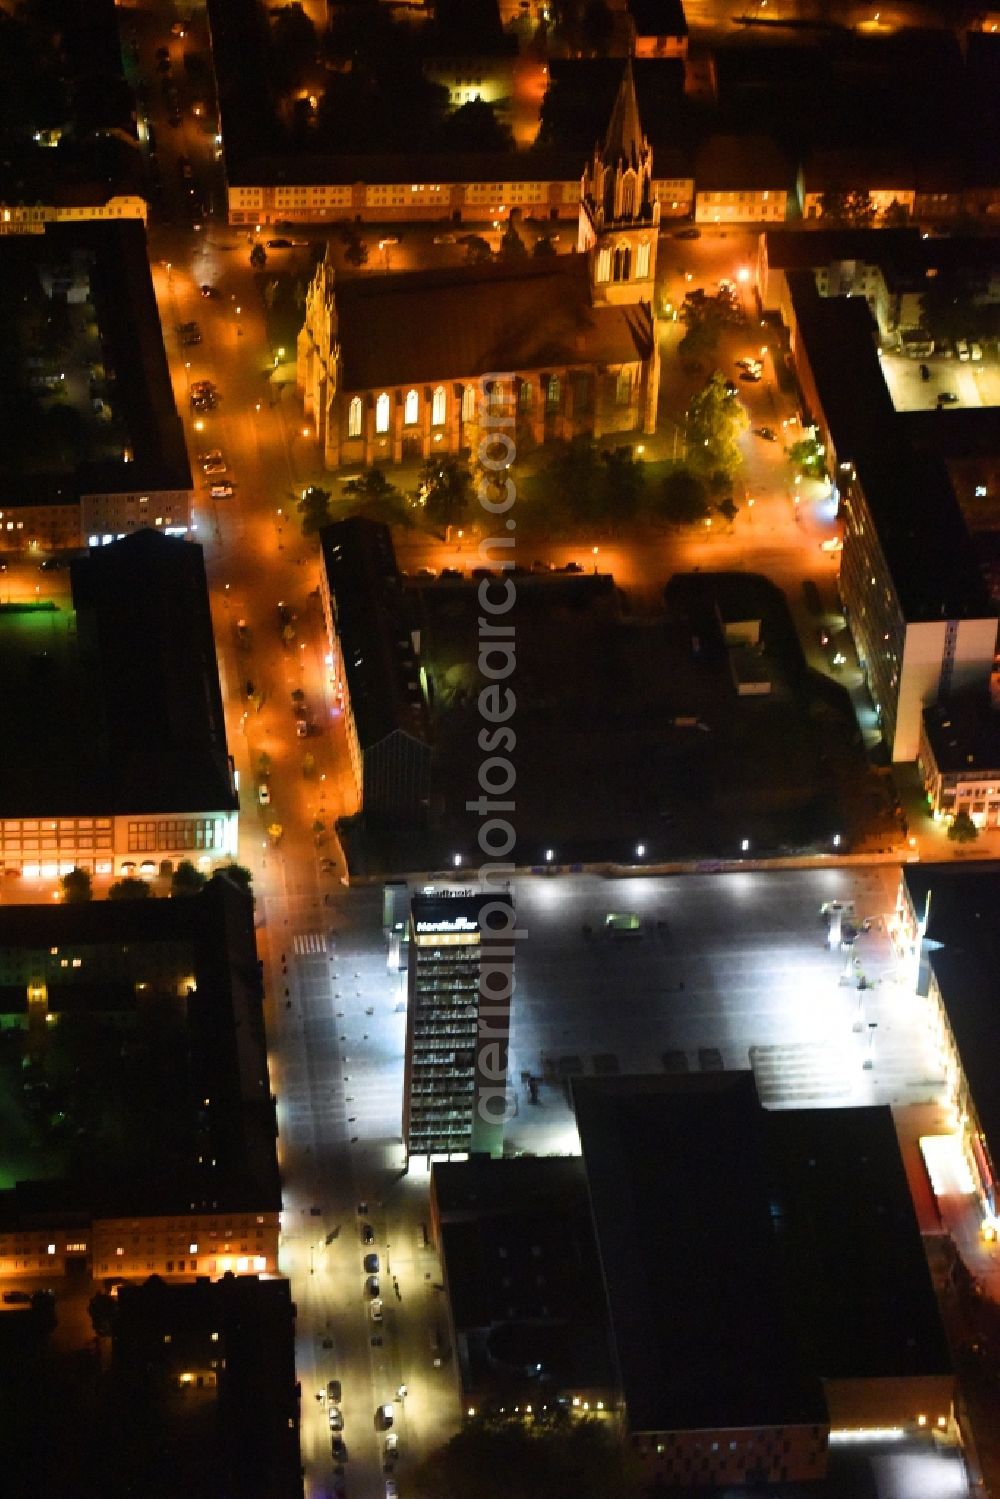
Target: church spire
624, 141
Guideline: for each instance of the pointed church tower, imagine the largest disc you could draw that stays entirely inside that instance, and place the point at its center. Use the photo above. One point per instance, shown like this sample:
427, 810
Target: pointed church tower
619, 212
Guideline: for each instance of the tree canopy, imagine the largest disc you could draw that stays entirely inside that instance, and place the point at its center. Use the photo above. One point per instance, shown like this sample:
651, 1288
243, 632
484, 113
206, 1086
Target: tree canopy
445, 488
581, 1459
77, 887
716, 421
313, 506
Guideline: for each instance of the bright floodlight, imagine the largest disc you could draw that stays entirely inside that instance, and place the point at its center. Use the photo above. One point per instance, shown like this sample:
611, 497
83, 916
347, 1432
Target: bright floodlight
550, 854
745, 845
456, 859
640, 850
836, 840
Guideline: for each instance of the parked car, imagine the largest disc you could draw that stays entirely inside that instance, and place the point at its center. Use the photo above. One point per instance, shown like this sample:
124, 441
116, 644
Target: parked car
444, 239
768, 433
209, 291
372, 1286
947, 398
264, 794
391, 1444
371, 1264
690, 233
333, 1389
384, 1416
221, 491
962, 349
214, 455
975, 352
375, 1308
336, 1418
301, 728
338, 1447
367, 1234
279, 244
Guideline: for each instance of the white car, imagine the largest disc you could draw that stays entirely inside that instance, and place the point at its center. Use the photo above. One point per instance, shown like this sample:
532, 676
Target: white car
376, 1310
301, 727
214, 455
264, 794
221, 491
391, 1491
975, 352
391, 1444
962, 349
217, 466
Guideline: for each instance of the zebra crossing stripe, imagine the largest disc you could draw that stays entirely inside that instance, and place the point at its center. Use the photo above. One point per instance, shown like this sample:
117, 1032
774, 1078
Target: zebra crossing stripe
305, 943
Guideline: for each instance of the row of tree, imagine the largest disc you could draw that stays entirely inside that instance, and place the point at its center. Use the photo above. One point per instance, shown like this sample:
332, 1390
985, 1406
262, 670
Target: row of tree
185, 879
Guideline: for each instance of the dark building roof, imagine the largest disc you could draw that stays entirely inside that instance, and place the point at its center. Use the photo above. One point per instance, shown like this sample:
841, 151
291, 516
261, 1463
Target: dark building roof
693, 1302
964, 734
379, 660
138, 377
658, 17
524, 1283
833, 170
730, 162
921, 530
148, 651
476, 320
794, 250
211, 935
624, 139
251, 1446
850, 1247
962, 948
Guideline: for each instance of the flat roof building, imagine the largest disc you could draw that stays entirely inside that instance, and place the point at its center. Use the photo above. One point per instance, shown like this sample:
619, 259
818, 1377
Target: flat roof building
376, 662
122, 689
460, 981
959, 759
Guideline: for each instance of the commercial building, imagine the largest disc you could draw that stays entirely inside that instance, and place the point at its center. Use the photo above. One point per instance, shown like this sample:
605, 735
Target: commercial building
114, 733
959, 759
945, 929
376, 663
524, 1299
164, 1164
397, 370
912, 590
460, 982
214, 1366
79, 305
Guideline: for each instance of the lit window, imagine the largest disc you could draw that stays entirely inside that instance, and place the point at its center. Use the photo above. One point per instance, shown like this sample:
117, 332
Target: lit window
382, 413
437, 407
604, 263
553, 394
354, 417
469, 403
642, 259
411, 408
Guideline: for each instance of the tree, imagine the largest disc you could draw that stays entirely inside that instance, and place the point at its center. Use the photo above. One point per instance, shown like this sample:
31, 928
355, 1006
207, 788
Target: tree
809, 456
715, 423
896, 216
477, 249
129, 888
77, 887
445, 488
728, 508
963, 829
313, 506
512, 246
492, 1462
544, 247
947, 309
258, 257
356, 253
853, 207
379, 497
682, 499
475, 127
187, 879
622, 483
240, 874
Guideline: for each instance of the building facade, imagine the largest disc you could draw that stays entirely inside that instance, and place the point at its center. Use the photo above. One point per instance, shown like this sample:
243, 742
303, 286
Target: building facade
460, 981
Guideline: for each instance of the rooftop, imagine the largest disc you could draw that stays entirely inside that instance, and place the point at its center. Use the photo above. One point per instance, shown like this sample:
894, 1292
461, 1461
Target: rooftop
964, 734
754, 162
690, 1300
379, 660
473, 320
122, 690
658, 17
962, 949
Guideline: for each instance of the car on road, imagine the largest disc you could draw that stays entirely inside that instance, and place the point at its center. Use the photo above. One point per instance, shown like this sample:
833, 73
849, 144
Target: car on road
371, 1264
243, 633
384, 1415
286, 614
333, 1389
426, 572
831, 544
249, 688
750, 377
301, 728
391, 1490
753, 366
391, 1444
768, 433
221, 491
214, 455
264, 794
216, 466
375, 1309
191, 340
690, 233
975, 352
367, 1234
947, 398
731, 389
339, 1448
571, 567
962, 350
452, 572
184, 166
372, 1286
279, 244
16, 1298
336, 1419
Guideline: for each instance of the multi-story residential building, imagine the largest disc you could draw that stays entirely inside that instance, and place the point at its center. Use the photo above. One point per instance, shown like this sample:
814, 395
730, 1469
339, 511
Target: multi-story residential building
120, 682
400, 369
741, 180
203, 1197
376, 666
888, 183
72, 205
133, 471
460, 982
959, 759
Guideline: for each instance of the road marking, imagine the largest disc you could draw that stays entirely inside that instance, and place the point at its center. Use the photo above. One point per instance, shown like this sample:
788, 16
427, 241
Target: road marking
305, 943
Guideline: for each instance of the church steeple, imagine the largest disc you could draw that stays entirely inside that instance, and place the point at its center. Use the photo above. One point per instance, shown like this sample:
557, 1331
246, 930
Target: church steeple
619, 213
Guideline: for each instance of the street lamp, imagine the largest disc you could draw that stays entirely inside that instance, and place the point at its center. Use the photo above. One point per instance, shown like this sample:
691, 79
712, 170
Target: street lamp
836, 840
745, 845
456, 859
640, 850
550, 854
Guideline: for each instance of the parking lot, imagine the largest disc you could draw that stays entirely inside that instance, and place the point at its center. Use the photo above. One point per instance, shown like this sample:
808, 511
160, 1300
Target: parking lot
975, 384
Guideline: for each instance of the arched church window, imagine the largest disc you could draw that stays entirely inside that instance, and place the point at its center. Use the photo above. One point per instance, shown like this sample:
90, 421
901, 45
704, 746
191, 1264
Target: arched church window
437, 407
623, 388
411, 408
553, 393
628, 196
642, 260
382, 413
604, 263
354, 417
469, 403
622, 263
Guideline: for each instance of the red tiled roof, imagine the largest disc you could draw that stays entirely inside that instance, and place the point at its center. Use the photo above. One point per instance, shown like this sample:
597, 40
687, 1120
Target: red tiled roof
476, 320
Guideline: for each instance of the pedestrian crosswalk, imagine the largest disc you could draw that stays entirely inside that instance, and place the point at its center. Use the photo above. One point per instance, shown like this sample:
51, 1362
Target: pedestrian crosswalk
305, 944
799, 1073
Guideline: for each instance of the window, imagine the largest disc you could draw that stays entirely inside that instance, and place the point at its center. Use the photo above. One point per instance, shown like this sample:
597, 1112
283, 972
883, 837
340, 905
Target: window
354, 417
642, 259
623, 390
622, 263
469, 403
553, 394
437, 407
604, 263
411, 409
382, 413
525, 395
494, 395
